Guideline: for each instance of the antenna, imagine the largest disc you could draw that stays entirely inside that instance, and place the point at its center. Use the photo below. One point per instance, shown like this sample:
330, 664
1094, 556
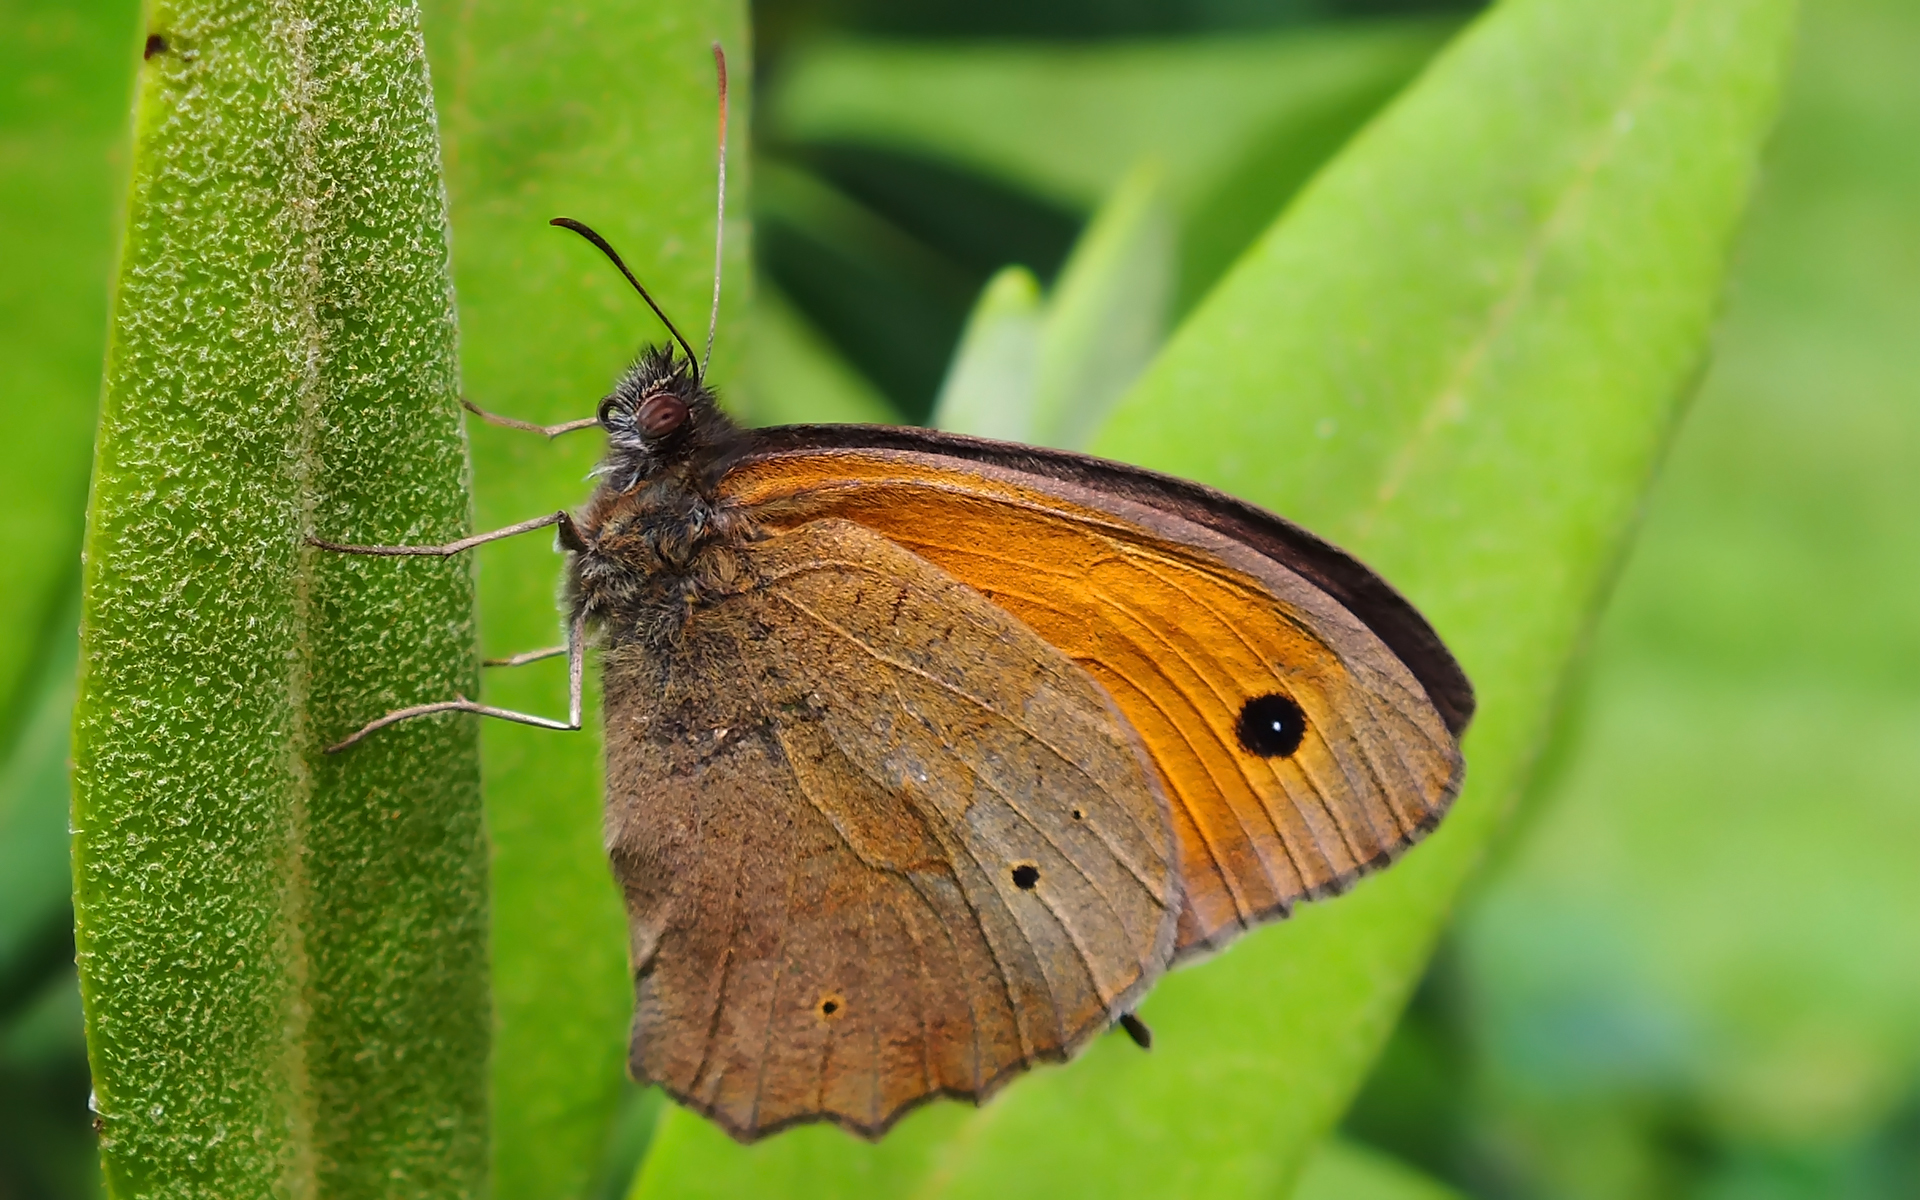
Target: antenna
597, 240
720, 216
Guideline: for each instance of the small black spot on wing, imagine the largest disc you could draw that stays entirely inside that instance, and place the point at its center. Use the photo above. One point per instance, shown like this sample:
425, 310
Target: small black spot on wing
1272, 725
1026, 876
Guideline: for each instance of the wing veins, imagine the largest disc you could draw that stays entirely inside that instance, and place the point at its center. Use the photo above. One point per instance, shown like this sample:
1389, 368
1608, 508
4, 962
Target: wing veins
995, 788
1006, 983
1319, 792
1279, 831
982, 705
905, 876
1073, 934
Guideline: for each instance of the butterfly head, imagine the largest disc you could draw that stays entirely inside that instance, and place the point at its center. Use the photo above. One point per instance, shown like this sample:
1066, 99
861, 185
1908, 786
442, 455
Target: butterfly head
661, 415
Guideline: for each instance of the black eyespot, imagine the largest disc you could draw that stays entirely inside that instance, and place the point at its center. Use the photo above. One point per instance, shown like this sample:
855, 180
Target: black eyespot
829, 1007
1025, 876
1272, 725
1078, 815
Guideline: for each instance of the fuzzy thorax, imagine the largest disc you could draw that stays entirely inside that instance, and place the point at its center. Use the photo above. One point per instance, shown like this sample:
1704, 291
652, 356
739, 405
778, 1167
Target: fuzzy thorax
658, 540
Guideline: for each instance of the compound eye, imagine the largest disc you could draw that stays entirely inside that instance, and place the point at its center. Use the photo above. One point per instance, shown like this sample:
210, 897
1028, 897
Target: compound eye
608, 407
660, 414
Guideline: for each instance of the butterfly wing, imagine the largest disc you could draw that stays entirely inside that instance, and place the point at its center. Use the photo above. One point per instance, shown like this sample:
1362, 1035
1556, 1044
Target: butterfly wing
1271, 677
878, 840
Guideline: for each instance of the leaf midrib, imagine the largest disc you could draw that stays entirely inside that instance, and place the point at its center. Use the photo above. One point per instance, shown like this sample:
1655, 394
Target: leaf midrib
302, 1177
1448, 403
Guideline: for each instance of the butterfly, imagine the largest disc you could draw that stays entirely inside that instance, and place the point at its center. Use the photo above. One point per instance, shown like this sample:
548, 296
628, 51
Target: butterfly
927, 755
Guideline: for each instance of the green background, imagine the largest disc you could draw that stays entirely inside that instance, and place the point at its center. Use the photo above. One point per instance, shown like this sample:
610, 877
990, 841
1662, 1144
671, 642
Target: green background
1692, 969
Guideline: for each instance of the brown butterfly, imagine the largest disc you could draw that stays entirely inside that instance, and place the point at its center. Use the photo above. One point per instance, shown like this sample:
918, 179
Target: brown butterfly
927, 755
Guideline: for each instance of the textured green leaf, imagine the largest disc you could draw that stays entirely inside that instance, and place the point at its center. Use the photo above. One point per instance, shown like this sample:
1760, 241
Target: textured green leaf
605, 112
1459, 354
283, 954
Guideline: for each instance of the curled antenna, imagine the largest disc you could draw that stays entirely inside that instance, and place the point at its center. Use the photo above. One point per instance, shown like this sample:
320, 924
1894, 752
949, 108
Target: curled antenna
597, 240
720, 216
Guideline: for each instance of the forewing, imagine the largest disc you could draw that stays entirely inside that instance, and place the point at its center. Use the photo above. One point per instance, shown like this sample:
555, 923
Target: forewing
879, 842
1184, 626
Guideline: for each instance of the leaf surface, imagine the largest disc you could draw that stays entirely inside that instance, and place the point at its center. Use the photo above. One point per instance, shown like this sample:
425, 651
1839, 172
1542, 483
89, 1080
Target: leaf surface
282, 954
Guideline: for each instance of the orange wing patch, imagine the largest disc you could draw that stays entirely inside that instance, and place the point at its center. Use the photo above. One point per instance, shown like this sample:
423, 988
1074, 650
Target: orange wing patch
1186, 629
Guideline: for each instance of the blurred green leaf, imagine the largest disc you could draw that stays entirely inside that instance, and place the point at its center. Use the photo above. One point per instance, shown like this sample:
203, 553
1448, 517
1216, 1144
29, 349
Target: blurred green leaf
1048, 372
1707, 948
795, 376
892, 302
605, 112
65, 80
47, 1148
1071, 121
989, 388
1342, 1170
1107, 315
1459, 354
282, 954
1238, 124
36, 887
632, 1133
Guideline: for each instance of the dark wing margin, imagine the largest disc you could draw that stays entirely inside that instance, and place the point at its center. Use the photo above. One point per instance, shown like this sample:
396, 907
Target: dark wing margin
1371, 599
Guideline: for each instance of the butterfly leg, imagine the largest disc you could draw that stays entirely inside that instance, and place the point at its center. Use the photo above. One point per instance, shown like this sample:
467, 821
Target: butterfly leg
524, 657
571, 539
576, 653
551, 431
1137, 1030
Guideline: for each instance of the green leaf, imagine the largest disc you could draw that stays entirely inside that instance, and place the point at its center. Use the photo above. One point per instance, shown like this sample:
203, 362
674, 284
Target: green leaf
603, 111
1459, 354
890, 300
35, 885
989, 387
1048, 372
282, 954
1344, 1170
1108, 312
65, 80
795, 376
1071, 122
1237, 124
1719, 895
